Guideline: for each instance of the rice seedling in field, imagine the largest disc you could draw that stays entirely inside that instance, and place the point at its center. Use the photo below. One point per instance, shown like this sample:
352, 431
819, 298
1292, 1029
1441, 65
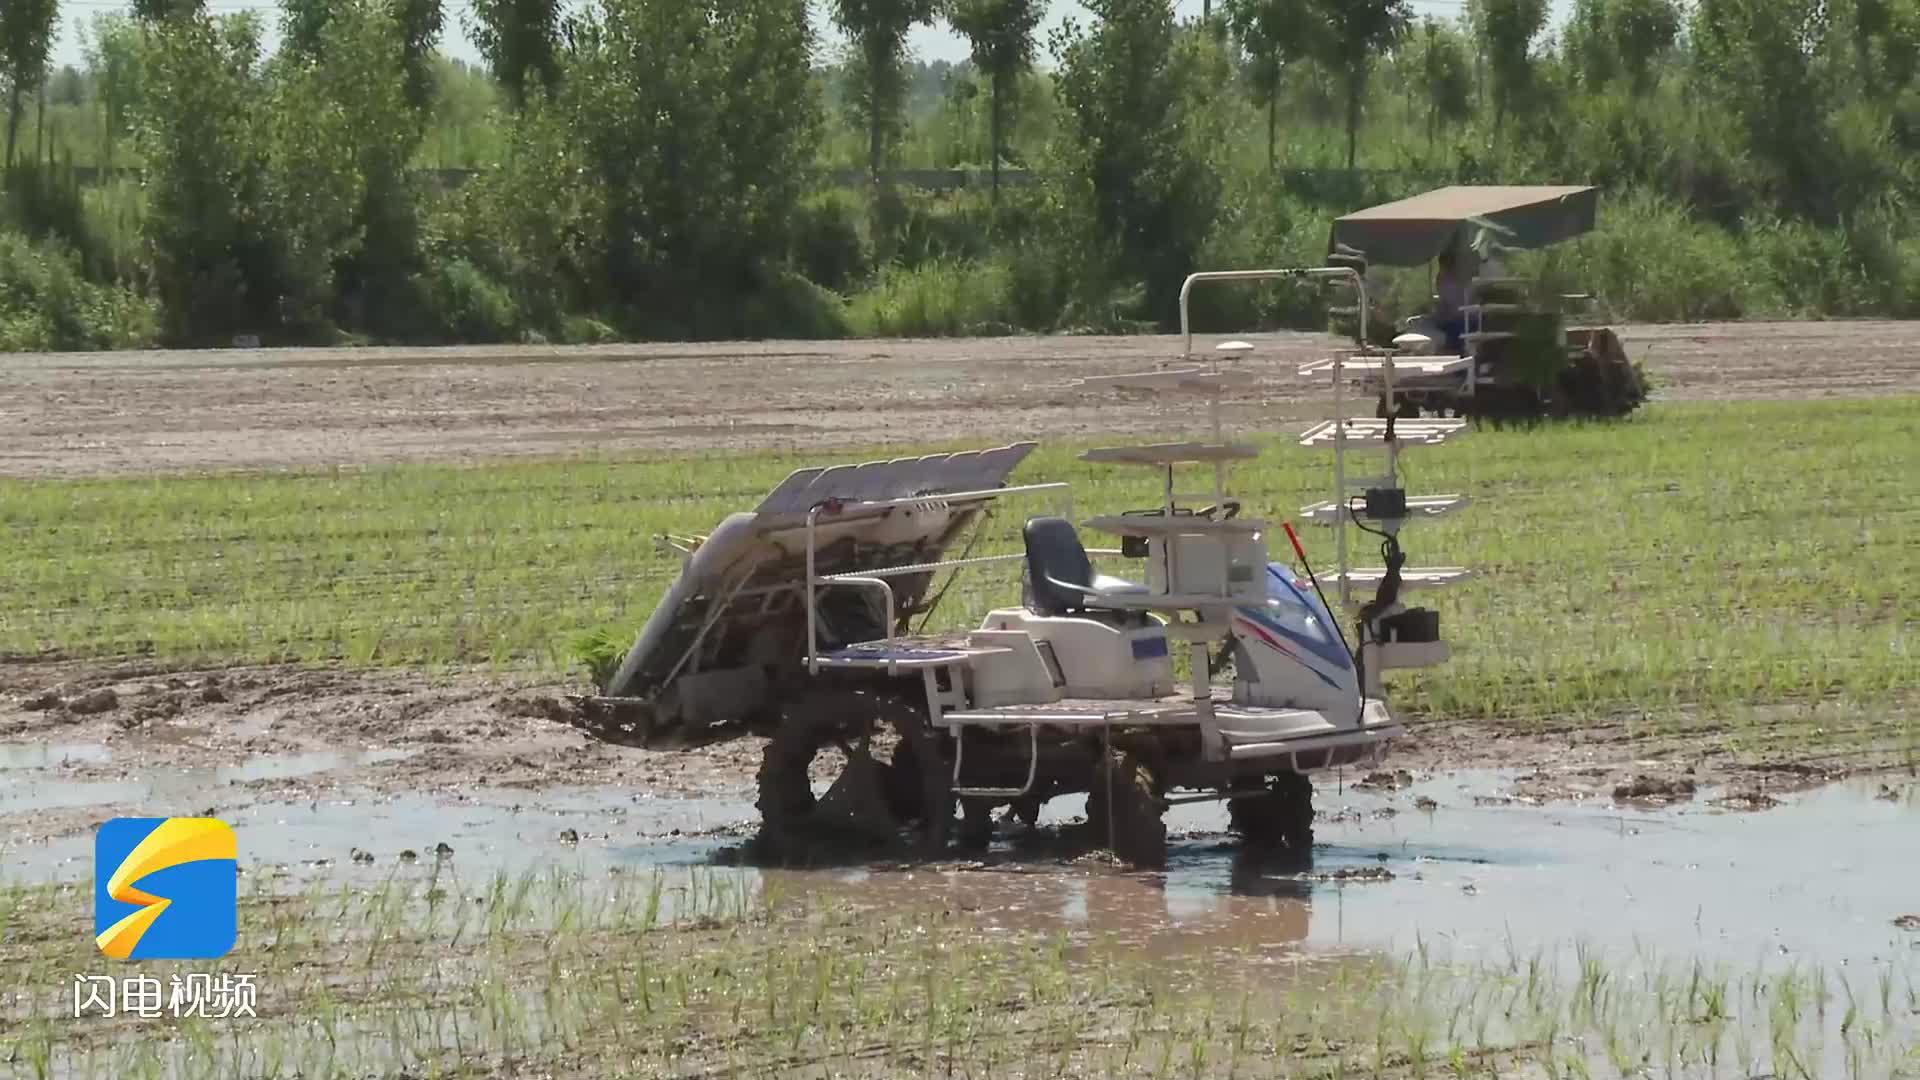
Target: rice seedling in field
1701, 567
427, 975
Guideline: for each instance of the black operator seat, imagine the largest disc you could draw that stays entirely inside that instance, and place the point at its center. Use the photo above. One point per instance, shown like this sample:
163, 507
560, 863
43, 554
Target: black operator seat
1060, 576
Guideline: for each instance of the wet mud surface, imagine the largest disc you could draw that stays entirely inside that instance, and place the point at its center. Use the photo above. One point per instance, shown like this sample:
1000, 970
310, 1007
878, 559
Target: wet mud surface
94, 413
1480, 835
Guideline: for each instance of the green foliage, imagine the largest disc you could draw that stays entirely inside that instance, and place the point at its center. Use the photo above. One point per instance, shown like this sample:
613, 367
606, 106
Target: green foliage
936, 299
301, 22
42, 201
600, 651
1261, 227
693, 121
525, 222
519, 40
676, 192
26, 38
419, 23
1001, 35
1356, 32
784, 305
464, 128
1509, 27
1643, 32
46, 303
112, 216
116, 55
1653, 261
339, 135
156, 10
1589, 47
203, 137
878, 29
369, 66
1446, 76
1136, 201
1775, 68
469, 306
827, 245
1273, 34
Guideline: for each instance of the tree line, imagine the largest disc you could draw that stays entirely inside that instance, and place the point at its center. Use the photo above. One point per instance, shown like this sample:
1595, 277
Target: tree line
650, 168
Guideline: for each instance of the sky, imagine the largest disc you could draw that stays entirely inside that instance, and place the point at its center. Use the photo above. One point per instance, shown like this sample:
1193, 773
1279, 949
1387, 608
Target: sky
928, 43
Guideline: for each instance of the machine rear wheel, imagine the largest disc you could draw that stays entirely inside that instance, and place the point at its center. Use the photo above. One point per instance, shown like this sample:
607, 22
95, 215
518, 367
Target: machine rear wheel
1278, 819
889, 776
1124, 810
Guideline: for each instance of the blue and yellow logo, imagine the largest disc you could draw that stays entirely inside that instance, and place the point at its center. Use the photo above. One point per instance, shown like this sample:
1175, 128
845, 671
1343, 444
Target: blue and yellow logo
165, 888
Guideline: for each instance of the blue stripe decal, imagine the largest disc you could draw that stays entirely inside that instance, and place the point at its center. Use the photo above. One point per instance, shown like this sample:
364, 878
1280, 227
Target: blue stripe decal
1311, 670
1146, 648
1330, 651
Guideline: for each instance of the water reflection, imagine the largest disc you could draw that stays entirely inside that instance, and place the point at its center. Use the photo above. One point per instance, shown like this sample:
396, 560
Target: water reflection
1137, 913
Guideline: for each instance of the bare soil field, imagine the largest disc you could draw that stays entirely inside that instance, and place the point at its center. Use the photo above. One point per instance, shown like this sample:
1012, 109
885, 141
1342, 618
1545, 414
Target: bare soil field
83, 741
97, 413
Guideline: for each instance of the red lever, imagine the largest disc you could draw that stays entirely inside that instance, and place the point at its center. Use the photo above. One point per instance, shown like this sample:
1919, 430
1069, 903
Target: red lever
1291, 535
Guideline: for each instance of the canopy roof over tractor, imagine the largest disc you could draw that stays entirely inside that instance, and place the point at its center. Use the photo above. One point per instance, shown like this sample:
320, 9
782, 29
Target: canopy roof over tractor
1416, 230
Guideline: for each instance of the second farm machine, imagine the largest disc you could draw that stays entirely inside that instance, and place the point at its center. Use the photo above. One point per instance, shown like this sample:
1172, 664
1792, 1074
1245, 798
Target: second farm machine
798, 619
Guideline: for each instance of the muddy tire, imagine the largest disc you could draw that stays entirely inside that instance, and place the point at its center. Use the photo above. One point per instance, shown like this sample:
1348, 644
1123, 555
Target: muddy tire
880, 791
1125, 808
976, 825
1279, 819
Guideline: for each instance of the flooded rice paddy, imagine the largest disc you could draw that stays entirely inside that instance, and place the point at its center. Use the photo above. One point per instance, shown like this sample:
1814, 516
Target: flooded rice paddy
1452, 860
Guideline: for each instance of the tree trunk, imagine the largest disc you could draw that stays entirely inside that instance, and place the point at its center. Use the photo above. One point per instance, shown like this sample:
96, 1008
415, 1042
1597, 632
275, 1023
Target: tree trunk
13, 124
1353, 120
999, 91
873, 137
40, 124
876, 106
1433, 78
1273, 104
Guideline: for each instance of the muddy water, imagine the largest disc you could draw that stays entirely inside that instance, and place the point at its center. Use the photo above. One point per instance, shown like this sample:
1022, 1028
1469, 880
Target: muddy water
51, 755
589, 830
31, 779
1819, 878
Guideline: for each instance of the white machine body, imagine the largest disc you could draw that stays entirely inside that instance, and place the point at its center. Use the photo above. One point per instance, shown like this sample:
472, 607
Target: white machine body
1289, 652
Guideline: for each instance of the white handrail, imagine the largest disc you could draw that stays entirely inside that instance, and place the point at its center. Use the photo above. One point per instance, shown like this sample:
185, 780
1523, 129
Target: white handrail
1186, 288
922, 568
814, 579
886, 591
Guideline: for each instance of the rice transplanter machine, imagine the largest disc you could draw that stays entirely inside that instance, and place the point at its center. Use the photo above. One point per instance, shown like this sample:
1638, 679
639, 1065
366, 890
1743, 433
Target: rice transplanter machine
798, 620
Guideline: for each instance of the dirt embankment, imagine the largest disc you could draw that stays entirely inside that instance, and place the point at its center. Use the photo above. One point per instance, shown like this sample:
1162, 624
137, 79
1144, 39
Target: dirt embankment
92, 413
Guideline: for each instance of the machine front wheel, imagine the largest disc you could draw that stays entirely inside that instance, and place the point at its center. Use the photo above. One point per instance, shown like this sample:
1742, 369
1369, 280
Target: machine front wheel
1279, 818
1124, 810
